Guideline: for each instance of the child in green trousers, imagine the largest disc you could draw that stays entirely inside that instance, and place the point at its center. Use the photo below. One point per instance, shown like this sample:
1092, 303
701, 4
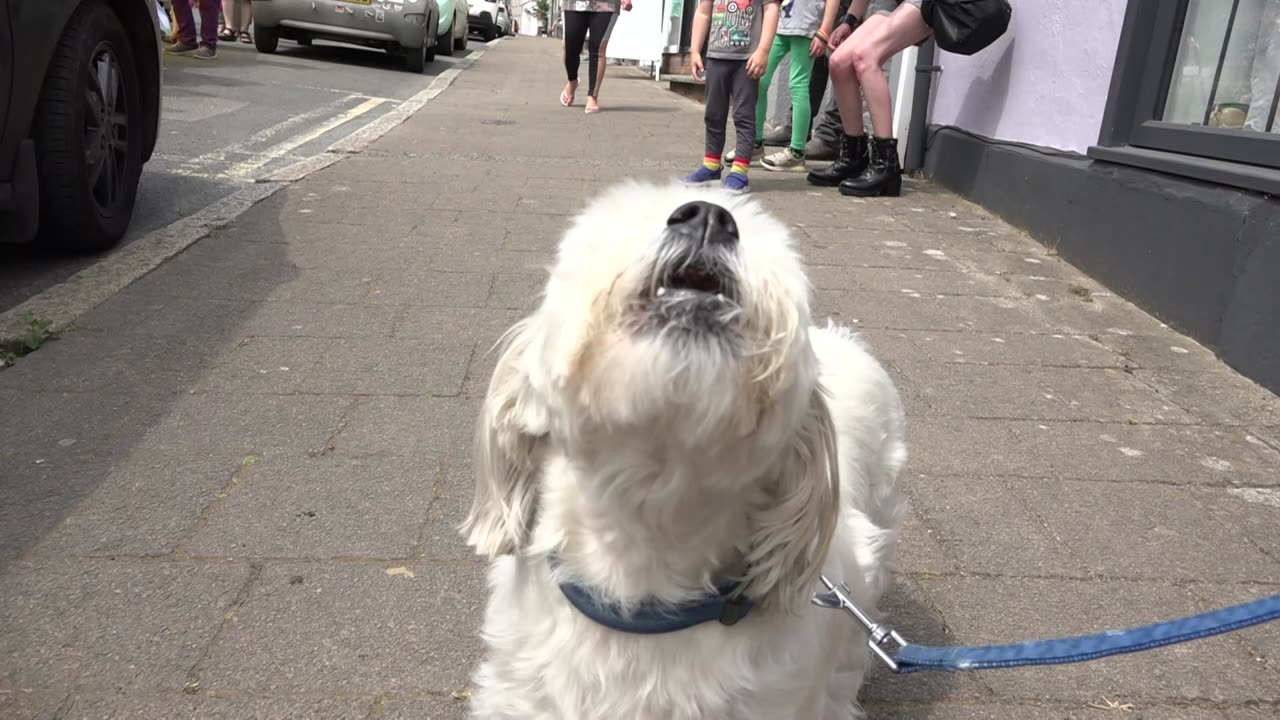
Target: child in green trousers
804, 28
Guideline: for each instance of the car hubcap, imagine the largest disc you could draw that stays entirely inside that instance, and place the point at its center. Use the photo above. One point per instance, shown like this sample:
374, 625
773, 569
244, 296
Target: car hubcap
106, 126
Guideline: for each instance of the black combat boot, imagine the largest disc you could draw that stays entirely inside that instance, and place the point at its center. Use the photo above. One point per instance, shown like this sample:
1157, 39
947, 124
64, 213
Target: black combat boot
883, 176
851, 162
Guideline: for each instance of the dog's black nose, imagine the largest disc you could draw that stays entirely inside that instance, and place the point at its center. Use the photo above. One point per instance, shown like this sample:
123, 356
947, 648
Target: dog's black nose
711, 224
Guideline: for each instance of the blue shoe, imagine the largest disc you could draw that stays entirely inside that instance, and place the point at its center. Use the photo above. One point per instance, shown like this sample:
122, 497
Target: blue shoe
701, 176
736, 182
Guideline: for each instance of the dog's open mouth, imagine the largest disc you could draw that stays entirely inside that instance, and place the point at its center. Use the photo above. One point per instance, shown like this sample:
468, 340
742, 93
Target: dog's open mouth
695, 293
697, 276
700, 279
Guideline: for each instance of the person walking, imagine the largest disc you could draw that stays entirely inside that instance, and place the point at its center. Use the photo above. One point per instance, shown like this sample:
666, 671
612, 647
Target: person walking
865, 168
205, 47
589, 22
604, 58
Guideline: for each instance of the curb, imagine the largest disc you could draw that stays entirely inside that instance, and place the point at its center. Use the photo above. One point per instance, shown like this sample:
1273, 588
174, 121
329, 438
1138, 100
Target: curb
63, 303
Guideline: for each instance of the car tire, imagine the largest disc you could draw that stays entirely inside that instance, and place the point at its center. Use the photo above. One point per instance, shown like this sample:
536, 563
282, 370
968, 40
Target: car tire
267, 39
462, 41
417, 59
489, 34
88, 163
447, 48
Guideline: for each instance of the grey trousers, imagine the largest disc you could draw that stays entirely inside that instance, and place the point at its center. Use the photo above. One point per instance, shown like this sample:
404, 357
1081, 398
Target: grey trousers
727, 81
827, 126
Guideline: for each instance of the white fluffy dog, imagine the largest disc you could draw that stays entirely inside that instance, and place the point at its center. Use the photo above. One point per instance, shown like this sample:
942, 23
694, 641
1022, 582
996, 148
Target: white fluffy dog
667, 458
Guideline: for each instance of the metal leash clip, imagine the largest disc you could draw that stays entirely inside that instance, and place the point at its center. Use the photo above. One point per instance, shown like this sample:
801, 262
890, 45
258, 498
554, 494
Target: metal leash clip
837, 597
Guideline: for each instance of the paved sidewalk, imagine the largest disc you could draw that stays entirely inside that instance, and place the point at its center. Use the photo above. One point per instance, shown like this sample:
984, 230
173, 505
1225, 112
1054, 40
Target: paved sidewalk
232, 492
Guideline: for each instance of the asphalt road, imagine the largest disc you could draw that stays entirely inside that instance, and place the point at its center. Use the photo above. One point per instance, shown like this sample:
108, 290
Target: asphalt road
238, 118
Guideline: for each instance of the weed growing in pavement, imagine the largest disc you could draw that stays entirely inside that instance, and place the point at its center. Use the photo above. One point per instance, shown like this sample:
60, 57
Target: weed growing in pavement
34, 333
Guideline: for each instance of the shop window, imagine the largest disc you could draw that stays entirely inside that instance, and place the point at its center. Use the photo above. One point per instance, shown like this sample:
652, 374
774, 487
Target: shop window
1196, 89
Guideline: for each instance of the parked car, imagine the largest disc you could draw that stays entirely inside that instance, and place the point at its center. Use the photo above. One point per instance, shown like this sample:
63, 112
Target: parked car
490, 18
79, 121
414, 29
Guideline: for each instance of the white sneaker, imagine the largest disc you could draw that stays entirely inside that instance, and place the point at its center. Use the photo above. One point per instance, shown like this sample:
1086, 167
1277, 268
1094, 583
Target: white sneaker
755, 156
785, 160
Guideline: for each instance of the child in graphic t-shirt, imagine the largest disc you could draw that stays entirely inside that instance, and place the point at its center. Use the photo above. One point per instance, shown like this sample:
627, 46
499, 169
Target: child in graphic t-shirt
737, 35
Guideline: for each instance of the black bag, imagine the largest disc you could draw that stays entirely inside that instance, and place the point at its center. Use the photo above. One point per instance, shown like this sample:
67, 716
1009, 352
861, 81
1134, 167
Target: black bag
966, 26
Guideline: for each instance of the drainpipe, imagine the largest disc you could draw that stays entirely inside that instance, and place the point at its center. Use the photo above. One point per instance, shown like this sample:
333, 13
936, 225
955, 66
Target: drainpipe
917, 130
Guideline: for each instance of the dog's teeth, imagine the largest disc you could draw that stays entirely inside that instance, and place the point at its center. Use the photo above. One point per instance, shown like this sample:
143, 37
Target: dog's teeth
662, 291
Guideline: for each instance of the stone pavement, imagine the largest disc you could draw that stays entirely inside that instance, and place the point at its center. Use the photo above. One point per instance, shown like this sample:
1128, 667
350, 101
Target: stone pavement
232, 492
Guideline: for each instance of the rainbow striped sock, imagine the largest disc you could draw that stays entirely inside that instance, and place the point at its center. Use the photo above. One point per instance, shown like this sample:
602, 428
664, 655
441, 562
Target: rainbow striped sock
740, 165
711, 161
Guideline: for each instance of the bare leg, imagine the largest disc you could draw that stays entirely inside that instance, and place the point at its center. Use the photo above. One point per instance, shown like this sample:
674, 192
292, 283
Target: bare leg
593, 101
593, 104
246, 15
871, 50
844, 76
228, 19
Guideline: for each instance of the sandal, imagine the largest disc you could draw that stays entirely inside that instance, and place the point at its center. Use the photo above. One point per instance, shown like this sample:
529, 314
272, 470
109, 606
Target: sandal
226, 34
245, 37
566, 95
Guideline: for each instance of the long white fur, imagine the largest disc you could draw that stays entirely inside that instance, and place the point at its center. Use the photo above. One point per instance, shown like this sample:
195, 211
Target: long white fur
656, 468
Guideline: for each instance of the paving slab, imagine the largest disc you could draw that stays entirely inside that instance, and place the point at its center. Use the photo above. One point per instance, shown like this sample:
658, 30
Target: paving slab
144, 507
462, 324
409, 427
1170, 454
320, 507
972, 448
31, 704
436, 708
987, 528
1002, 348
1157, 532
1047, 711
173, 706
110, 624
351, 629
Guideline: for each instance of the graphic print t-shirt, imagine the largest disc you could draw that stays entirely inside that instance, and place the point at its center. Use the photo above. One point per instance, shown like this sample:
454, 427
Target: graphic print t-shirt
609, 6
800, 17
735, 28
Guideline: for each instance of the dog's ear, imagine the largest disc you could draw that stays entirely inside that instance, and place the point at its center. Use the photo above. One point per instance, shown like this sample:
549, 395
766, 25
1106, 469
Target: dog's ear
507, 447
794, 531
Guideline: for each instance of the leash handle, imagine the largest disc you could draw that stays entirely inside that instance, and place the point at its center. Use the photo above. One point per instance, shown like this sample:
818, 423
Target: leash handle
1058, 651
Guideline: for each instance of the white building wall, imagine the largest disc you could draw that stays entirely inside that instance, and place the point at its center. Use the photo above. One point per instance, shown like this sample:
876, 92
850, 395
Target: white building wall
1045, 82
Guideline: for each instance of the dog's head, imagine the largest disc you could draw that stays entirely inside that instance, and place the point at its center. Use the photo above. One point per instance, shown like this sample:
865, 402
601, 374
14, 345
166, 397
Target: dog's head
682, 316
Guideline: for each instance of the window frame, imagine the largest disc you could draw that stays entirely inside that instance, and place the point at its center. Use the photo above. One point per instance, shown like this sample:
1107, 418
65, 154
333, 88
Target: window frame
1132, 133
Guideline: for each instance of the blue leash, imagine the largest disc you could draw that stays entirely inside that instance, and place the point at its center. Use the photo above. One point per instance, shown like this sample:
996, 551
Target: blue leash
911, 658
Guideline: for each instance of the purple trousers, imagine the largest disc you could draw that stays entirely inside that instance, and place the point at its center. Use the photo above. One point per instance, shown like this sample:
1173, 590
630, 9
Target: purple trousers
187, 23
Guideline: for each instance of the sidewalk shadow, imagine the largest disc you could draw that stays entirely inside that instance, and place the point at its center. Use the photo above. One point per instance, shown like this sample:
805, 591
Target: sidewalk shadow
78, 411
353, 56
983, 106
887, 695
